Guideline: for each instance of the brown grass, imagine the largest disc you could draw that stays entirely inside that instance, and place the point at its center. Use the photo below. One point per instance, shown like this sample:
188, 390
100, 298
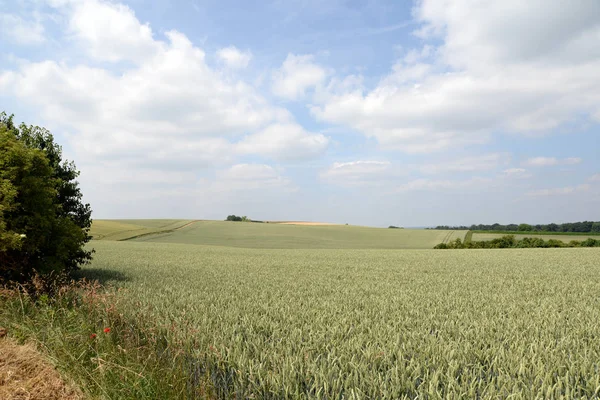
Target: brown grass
25, 374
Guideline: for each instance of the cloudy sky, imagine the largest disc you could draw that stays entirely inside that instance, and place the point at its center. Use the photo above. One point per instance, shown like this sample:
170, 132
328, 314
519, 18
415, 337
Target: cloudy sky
371, 112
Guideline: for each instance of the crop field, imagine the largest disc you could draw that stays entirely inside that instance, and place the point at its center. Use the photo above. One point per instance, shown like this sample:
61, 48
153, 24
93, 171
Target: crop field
347, 323
284, 236
564, 238
121, 229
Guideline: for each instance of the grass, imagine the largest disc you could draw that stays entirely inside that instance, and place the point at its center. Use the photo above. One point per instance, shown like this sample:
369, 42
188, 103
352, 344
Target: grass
126, 229
279, 236
477, 236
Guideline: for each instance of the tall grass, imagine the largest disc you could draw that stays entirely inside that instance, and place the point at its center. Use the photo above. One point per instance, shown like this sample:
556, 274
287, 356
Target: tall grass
88, 339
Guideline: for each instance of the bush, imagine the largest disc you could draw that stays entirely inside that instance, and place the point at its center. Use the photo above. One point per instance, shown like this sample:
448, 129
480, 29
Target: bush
43, 223
234, 218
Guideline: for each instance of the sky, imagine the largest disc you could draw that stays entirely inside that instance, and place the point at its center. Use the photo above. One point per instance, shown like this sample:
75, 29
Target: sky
371, 112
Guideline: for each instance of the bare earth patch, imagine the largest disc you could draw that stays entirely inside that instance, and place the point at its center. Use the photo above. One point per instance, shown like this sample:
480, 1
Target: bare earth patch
25, 374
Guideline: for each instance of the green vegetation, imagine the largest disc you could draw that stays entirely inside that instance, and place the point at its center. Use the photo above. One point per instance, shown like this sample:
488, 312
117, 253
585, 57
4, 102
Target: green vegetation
510, 242
339, 323
570, 227
43, 222
565, 237
125, 229
280, 236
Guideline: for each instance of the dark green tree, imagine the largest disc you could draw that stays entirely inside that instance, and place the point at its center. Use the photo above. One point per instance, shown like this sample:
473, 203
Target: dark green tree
41, 203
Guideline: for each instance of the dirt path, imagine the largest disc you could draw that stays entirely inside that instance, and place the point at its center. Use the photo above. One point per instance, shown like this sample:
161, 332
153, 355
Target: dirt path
25, 374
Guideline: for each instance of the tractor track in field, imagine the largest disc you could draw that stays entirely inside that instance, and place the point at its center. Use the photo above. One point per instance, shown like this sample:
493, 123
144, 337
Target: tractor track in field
160, 232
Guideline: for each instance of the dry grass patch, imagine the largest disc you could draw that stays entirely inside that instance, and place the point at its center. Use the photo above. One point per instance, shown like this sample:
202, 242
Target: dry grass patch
25, 374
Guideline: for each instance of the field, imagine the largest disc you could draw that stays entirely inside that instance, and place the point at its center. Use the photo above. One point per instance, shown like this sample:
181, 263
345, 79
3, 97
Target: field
319, 323
564, 237
122, 229
274, 235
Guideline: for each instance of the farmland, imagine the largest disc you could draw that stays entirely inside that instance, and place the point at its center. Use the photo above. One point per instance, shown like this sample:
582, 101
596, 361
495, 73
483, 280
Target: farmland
298, 323
273, 235
477, 236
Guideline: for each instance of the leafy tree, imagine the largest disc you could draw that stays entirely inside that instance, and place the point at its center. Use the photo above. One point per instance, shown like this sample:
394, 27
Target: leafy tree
234, 218
40, 203
596, 227
525, 228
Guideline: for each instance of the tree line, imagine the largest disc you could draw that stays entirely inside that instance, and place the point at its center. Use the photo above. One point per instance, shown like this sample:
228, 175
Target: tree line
510, 242
580, 227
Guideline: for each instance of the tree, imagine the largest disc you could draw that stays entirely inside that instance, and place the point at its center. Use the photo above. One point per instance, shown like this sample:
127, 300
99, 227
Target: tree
525, 228
595, 227
41, 203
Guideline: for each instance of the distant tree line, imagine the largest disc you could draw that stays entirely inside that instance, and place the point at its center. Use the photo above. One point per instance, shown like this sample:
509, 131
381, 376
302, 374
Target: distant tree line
583, 227
393, 227
510, 242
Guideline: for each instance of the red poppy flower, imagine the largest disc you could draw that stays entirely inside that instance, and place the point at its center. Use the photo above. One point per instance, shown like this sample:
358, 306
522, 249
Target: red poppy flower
106, 330
93, 336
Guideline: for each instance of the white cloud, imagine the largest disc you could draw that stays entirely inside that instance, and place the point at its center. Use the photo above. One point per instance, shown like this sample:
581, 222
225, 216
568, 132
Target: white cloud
111, 32
484, 78
595, 178
428, 184
484, 162
359, 173
284, 141
551, 161
234, 58
559, 191
297, 74
21, 31
250, 177
167, 107
516, 173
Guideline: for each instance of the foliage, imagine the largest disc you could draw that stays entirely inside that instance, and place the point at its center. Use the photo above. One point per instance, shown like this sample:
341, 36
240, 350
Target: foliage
41, 203
581, 227
510, 242
393, 227
289, 324
234, 218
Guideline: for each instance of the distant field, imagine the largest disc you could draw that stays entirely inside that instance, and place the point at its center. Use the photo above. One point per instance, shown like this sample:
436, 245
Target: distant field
286, 236
120, 229
564, 237
346, 323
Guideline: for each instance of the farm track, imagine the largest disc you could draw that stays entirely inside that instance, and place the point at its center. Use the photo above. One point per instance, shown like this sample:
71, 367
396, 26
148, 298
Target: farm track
160, 231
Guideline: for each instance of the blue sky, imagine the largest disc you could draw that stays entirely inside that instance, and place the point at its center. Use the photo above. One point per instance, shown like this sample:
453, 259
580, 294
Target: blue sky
362, 112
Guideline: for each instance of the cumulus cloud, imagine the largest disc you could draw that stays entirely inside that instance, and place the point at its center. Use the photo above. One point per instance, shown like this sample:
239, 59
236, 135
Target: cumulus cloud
297, 74
483, 78
424, 184
21, 31
250, 177
559, 191
359, 173
551, 161
516, 173
234, 58
483, 162
284, 141
168, 107
595, 178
